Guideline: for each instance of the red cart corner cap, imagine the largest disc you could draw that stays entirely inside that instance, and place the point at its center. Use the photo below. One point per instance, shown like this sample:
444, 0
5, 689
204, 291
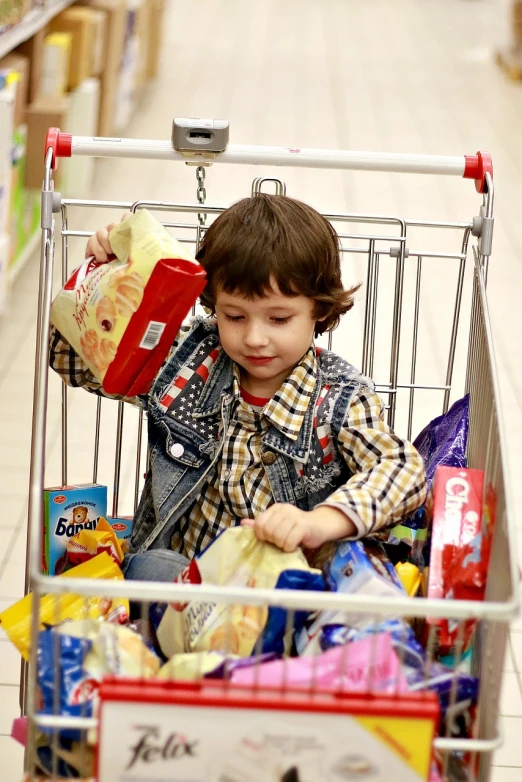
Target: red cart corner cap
477, 166
61, 144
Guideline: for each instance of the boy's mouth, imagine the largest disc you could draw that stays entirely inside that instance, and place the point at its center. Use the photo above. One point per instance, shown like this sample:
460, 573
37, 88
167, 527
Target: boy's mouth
259, 360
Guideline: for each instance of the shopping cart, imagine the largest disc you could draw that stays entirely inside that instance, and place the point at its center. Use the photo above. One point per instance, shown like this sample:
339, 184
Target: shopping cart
423, 372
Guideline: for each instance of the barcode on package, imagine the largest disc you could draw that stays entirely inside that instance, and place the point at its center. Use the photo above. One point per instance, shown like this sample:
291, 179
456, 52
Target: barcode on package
152, 335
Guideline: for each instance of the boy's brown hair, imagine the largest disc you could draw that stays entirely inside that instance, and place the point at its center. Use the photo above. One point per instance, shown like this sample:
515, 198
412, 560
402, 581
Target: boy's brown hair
273, 237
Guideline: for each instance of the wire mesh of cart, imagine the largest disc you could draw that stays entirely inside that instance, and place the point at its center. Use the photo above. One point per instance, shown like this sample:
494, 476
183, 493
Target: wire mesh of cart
210, 729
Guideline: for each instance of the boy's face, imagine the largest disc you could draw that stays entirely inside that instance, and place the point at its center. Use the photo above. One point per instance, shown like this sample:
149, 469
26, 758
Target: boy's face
266, 337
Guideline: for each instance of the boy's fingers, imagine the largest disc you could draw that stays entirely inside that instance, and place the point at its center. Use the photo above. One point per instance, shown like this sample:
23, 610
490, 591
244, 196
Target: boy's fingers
248, 523
95, 248
293, 539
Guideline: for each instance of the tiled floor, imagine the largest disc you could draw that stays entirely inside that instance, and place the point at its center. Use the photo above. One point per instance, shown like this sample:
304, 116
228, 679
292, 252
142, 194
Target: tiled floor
388, 76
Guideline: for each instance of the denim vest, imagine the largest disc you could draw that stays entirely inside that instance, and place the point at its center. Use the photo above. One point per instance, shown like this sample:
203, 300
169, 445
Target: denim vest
189, 409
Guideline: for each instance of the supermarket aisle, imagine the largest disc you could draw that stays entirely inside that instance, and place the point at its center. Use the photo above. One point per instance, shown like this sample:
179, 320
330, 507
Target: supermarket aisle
399, 76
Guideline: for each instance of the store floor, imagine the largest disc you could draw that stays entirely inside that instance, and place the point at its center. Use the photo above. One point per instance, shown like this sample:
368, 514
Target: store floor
402, 76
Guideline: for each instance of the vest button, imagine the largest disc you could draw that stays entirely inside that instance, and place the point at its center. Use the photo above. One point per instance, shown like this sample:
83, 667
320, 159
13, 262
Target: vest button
268, 457
177, 450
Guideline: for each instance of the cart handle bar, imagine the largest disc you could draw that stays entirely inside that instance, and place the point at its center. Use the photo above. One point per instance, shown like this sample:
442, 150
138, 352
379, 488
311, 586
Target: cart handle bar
467, 166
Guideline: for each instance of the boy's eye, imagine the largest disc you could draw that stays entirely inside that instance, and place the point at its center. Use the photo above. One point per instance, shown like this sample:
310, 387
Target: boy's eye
233, 318
282, 320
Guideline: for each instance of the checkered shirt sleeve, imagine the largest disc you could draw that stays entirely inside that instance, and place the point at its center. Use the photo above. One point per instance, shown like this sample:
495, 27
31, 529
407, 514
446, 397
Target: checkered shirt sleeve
76, 374
388, 482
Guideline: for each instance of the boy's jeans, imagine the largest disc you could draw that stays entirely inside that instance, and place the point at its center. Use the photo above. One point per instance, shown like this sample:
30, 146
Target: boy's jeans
155, 565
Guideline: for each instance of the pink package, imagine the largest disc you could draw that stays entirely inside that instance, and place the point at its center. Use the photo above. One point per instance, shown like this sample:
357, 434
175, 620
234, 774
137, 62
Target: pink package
368, 664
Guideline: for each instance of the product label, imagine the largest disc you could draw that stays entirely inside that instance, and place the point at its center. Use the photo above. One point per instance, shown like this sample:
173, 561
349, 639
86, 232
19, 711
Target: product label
160, 742
68, 511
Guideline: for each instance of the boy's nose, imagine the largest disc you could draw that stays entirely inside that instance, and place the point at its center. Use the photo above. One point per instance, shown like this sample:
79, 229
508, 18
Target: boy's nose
254, 336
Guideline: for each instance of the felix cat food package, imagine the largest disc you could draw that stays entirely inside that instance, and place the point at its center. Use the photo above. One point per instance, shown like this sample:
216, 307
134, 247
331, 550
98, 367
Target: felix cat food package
122, 317
67, 511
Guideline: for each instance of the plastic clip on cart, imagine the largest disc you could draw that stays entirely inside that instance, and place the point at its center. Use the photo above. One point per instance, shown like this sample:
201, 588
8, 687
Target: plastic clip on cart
400, 260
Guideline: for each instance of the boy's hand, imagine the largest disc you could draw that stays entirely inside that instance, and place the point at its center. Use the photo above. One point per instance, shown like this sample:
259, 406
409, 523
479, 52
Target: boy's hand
99, 244
289, 527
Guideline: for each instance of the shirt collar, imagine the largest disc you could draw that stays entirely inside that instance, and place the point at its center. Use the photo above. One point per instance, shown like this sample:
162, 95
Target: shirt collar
287, 408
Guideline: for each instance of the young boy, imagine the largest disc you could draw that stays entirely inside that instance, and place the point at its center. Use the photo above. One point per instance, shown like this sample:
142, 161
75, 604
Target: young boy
248, 421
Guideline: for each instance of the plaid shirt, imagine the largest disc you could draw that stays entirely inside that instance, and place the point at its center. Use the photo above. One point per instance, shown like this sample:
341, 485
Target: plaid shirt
385, 467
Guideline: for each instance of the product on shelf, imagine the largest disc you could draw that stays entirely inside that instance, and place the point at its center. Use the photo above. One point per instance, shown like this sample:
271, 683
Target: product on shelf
55, 66
13, 11
77, 172
7, 98
43, 114
24, 203
80, 23
14, 68
4, 259
116, 18
67, 511
33, 50
155, 37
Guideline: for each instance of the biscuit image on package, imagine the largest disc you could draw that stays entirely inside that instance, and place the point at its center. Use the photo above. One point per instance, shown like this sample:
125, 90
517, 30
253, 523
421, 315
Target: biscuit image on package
129, 294
105, 353
225, 638
89, 344
105, 314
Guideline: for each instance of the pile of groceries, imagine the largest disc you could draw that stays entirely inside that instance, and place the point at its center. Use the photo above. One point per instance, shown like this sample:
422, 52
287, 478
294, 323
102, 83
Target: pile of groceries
441, 552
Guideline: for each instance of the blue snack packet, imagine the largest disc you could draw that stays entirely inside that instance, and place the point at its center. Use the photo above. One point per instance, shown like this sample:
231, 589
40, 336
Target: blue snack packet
357, 567
362, 566
60, 666
273, 636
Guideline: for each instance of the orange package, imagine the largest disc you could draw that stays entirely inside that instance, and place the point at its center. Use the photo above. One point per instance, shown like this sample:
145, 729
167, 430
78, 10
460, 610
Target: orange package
122, 317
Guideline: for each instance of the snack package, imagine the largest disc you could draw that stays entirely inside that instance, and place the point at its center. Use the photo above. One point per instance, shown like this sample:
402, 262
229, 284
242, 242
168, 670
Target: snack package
194, 666
236, 557
89, 543
74, 657
367, 665
357, 567
67, 511
408, 649
442, 442
445, 682
55, 609
409, 576
459, 547
122, 526
122, 317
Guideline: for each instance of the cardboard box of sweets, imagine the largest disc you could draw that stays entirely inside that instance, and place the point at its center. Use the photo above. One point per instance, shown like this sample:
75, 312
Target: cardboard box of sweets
43, 114
116, 16
87, 34
33, 50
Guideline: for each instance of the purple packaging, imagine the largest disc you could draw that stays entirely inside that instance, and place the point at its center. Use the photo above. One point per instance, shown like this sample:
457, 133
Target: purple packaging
442, 442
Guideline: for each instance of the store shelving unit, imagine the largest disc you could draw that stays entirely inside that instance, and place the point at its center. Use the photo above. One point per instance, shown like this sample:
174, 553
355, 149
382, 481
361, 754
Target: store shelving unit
36, 19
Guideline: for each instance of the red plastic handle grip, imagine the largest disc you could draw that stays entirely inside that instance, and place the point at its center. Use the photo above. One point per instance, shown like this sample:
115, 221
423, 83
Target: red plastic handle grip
477, 166
61, 144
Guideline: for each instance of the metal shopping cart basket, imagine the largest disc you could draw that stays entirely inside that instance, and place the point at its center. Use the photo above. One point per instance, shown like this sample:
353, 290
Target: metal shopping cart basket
233, 734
